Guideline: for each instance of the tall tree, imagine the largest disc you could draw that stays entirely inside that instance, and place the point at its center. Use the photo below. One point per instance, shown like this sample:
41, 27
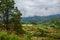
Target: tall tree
10, 14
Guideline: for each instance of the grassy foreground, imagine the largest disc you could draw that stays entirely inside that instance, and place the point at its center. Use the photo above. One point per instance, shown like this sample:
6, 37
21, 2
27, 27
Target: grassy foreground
5, 36
35, 32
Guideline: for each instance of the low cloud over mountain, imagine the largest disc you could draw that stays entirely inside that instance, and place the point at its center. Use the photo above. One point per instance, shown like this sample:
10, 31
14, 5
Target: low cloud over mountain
38, 7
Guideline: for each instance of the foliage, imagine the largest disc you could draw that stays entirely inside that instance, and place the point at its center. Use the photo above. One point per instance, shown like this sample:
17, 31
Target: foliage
5, 36
28, 36
11, 16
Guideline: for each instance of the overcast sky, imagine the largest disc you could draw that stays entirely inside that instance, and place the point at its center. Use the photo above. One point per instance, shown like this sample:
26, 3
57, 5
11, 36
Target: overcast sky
38, 7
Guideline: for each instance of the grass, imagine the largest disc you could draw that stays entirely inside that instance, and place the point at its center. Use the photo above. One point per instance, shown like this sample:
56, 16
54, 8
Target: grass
35, 32
5, 36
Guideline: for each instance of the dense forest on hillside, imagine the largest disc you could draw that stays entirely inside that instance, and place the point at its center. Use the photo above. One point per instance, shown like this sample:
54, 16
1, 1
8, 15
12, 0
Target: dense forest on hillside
41, 19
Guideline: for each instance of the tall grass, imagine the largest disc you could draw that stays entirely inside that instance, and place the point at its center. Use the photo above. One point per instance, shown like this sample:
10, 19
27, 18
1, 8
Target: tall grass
5, 36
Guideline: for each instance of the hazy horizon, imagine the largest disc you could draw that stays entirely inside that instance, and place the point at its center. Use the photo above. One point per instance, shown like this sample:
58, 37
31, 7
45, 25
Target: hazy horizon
31, 8
41, 16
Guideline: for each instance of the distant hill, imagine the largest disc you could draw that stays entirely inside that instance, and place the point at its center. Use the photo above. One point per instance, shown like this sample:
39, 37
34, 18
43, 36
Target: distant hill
41, 19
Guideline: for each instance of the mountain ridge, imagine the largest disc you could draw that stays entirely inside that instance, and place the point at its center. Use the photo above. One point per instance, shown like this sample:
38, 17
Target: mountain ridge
40, 19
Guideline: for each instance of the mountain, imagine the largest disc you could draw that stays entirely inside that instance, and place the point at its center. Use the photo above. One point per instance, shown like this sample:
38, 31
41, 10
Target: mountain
41, 19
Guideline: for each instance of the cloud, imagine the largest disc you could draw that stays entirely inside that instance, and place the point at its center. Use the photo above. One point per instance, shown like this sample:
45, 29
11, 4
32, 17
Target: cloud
38, 7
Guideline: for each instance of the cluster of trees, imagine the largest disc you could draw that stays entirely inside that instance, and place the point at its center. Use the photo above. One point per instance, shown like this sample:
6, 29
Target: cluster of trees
10, 16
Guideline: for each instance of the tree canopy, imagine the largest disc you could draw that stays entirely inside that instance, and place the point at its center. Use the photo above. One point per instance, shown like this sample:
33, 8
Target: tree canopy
10, 15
